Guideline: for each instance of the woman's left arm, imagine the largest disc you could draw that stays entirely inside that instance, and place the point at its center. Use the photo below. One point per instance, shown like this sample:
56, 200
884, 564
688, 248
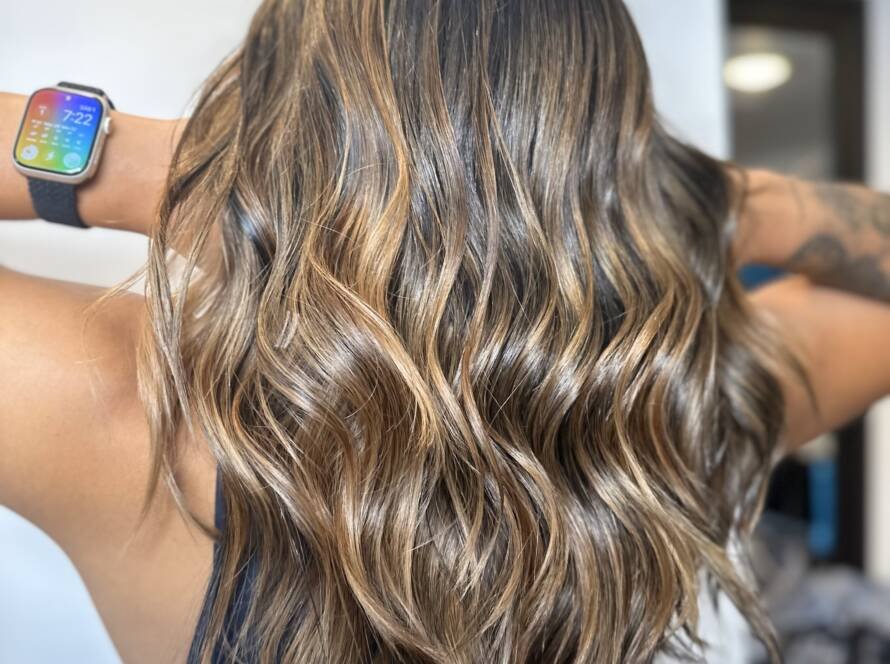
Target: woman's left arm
125, 192
837, 234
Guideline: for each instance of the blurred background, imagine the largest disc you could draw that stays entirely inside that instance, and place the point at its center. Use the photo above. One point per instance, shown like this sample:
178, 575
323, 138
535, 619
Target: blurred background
801, 86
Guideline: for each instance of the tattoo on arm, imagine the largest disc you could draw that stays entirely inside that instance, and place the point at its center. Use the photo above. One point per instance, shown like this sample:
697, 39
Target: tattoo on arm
857, 207
881, 215
849, 247
841, 202
825, 259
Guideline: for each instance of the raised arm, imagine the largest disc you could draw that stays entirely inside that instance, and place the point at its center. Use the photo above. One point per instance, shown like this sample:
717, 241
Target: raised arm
837, 234
840, 338
833, 311
125, 192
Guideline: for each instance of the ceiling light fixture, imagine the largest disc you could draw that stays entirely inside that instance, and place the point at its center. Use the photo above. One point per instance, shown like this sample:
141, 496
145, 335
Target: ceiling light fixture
756, 73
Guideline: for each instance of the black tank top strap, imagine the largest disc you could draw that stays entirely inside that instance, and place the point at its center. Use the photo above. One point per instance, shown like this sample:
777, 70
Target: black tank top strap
219, 510
237, 610
219, 518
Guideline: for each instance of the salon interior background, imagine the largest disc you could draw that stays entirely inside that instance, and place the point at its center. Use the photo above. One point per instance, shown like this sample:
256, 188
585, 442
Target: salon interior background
152, 56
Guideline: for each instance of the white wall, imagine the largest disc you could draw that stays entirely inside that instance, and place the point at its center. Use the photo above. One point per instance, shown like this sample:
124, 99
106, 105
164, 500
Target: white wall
685, 44
151, 57
878, 419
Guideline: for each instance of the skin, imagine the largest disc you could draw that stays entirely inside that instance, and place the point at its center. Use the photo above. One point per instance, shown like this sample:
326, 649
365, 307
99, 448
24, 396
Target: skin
835, 308
74, 442
74, 447
838, 234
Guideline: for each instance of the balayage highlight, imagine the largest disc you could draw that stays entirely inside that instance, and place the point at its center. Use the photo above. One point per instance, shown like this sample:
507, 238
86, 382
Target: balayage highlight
459, 325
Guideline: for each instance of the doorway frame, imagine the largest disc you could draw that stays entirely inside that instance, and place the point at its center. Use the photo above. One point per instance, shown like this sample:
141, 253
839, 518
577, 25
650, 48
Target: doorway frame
843, 23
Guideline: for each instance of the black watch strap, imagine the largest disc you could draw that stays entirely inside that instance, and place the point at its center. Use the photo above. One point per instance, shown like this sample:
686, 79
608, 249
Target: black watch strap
57, 201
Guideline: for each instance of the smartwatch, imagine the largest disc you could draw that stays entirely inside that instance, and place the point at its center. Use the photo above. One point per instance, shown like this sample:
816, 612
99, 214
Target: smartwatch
58, 146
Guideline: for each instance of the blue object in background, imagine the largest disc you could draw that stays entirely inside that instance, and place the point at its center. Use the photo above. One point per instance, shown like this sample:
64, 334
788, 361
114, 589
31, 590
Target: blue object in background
753, 276
823, 507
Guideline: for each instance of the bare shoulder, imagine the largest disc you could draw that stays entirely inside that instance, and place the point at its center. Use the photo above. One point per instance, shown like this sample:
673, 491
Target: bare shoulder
75, 453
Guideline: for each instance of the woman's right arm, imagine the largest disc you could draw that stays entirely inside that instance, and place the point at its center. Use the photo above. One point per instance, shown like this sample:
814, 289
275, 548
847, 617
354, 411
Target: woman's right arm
833, 310
843, 341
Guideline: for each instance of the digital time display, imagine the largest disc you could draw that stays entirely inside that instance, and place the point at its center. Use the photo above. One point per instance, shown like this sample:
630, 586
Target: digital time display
58, 131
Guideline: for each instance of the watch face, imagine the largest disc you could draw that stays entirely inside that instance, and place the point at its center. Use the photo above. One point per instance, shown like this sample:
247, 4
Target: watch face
58, 131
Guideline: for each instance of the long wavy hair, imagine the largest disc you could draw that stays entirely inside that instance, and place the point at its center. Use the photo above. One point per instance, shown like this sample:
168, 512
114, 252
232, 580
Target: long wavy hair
458, 320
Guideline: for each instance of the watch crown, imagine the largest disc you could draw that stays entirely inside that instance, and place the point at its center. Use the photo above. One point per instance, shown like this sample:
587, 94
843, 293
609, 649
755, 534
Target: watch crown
106, 126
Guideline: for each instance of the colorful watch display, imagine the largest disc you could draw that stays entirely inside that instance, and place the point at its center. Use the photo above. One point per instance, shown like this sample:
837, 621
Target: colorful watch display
59, 131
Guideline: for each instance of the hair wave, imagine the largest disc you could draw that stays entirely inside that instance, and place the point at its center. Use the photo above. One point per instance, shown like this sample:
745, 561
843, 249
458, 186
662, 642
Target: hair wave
458, 322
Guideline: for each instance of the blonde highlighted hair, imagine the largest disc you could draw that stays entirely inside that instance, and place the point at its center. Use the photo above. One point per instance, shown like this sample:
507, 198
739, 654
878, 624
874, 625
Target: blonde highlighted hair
465, 339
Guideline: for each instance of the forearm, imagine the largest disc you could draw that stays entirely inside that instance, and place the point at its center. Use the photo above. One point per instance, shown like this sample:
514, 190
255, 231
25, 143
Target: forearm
126, 191
835, 335
836, 234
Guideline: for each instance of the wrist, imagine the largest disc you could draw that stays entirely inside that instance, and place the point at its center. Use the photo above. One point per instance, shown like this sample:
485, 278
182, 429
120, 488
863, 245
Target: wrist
126, 191
742, 252
769, 219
